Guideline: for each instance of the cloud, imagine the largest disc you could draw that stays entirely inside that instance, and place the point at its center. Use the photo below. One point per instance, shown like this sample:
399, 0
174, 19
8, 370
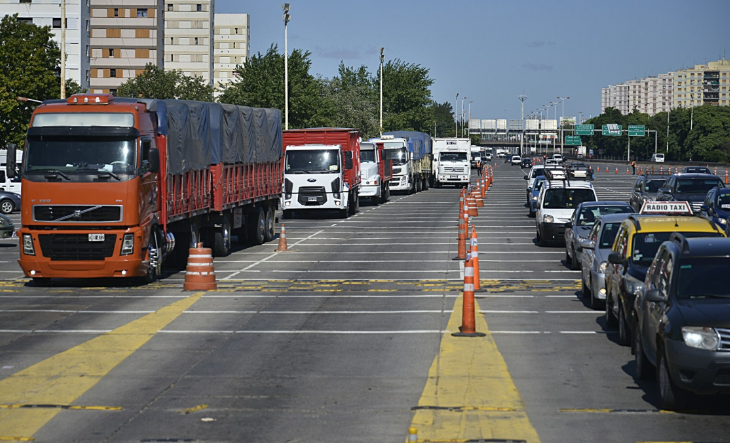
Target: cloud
540, 44
337, 53
534, 67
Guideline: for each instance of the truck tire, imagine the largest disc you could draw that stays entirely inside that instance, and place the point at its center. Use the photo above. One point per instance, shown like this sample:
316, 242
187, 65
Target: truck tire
375, 200
257, 227
354, 203
425, 184
387, 194
270, 225
419, 184
286, 214
153, 272
222, 239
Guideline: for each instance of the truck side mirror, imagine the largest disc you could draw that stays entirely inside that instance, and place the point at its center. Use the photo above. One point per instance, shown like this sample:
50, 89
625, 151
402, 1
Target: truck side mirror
348, 160
10, 161
154, 160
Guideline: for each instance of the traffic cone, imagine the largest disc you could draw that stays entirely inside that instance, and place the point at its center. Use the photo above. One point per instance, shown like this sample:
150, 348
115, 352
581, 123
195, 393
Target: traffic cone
616, 169
472, 207
726, 182
468, 317
474, 244
715, 170
627, 171
652, 169
461, 250
484, 187
199, 274
661, 170
282, 241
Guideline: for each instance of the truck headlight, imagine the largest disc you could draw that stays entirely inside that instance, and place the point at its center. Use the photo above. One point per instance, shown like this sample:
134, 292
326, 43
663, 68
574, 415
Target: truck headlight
128, 244
547, 218
701, 338
534, 198
28, 248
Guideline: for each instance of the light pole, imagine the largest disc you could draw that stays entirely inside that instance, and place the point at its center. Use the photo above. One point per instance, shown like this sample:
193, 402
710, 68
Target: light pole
381, 90
462, 115
63, 49
469, 119
456, 117
287, 17
522, 99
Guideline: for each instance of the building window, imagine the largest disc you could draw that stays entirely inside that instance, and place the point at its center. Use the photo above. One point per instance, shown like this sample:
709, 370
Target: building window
111, 52
113, 92
26, 1
116, 12
172, 58
142, 12
236, 30
169, 6
171, 42
27, 20
196, 40
112, 73
88, 75
56, 23
199, 7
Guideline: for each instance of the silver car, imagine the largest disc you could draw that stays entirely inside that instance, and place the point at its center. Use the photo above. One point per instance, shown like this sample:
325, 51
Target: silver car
595, 257
581, 222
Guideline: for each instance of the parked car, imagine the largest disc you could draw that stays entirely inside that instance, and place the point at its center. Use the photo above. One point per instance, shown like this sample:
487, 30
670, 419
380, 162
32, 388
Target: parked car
645, 189
658, 158
688, 187
535, 193
516, 160
696, 170
594, 257
555, 206
717, 207
683, 320
9, 202
7, 228
581, 222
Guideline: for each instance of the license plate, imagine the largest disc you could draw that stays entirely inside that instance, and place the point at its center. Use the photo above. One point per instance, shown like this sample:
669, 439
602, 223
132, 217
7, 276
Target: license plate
311, 199
453, 176
96, 237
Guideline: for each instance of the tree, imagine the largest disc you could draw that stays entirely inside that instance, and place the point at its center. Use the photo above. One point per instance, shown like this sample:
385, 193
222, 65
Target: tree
351, 101
30, 61
406, 97
154, 82
443, 115
261, 84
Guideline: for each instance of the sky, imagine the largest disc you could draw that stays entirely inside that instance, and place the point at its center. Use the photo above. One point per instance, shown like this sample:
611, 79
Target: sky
492, 51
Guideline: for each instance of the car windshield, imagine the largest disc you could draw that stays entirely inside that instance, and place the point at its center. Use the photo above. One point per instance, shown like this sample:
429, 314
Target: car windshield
453, 156
697, 185
608, 235
654, 185
367, 155
588, 215
315, 160
561, 198
537, 171
646, 244
723, 200
698, 277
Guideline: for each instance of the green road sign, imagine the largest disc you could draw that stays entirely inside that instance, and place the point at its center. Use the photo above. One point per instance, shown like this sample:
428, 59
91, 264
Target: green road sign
572, 140
611, 129
637, 130
583, 129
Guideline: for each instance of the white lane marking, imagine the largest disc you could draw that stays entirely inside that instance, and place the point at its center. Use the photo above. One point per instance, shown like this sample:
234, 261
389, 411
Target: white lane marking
104, 331
392, 252
423, 311
425, 244
266, 258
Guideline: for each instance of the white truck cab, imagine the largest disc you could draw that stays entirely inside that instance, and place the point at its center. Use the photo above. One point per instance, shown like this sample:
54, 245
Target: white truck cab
558, 199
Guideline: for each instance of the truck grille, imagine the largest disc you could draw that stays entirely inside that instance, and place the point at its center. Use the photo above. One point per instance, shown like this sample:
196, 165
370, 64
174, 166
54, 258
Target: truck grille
76, 213
454, 169
312, 195
724, 339
66, 247
696, 207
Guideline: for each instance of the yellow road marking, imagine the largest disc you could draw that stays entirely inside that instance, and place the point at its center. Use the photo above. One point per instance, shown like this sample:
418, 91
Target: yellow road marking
69, 407
63, 378
470, 394
17, 438
193, 409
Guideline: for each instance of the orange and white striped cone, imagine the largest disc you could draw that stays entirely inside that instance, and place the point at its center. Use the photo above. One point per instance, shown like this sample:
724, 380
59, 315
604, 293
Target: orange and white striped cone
652, 169
468, 315
616, 169
715, 170
282, 241
472, 207
484, 187
726, 182
199, 273
627, 171
474, 244
461, 250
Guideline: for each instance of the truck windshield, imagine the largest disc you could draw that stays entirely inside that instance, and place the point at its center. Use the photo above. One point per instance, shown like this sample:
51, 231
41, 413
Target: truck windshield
561, 198
367, 155
399, 156
80, 159
453, 156
698, 278
320, 161
646, 244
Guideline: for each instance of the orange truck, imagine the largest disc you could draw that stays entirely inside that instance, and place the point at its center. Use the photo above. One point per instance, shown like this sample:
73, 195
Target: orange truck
114, 187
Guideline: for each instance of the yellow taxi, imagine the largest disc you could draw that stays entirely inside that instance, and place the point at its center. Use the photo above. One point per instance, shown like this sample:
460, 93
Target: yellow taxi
637, 241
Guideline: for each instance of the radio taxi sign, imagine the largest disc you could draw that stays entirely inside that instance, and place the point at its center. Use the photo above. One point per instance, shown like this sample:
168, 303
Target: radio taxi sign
666, 208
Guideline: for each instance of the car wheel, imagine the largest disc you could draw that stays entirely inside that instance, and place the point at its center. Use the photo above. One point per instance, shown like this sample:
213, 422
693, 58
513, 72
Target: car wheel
584, 289
574, 263
540, 241
671, 396
610, 318
643, 366
624, 337
7, 206
568, 259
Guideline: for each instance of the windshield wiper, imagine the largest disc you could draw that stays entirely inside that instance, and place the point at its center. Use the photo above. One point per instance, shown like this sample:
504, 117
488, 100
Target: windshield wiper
54, 173
101, 173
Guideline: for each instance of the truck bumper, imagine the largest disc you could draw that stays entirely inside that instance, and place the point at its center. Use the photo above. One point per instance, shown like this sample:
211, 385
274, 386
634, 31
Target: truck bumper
322, 201
66, 254
450, 179
369, 191
400, 183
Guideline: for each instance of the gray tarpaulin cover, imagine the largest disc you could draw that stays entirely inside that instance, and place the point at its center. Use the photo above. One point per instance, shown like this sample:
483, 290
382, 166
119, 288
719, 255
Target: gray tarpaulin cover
200, 134
419, 142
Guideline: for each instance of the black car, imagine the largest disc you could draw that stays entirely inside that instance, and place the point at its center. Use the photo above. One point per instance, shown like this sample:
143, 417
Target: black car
526, 162
696, 170
9, 202
683, 320
717, 207
645, 189
689, 187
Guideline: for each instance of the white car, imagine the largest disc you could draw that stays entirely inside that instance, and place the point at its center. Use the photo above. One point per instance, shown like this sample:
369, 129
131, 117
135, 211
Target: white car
516, 160
658, 158
555, 205
559, 158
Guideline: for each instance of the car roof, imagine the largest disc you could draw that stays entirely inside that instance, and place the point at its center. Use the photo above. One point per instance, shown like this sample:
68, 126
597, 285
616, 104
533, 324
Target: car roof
604, 203
695, 175
614, 218
569, 184
671, 223
706, 247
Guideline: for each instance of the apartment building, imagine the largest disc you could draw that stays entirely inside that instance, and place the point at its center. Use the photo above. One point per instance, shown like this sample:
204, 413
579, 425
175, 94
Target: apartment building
703, 84
188, 41
649, 95
44, 13
615, 96
125, 36
231, 46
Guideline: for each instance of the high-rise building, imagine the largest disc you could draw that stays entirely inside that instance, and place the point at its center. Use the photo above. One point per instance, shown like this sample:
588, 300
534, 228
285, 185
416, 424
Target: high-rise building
124, 38
649, 95
188, 41
43, 13
703, 84
232, 48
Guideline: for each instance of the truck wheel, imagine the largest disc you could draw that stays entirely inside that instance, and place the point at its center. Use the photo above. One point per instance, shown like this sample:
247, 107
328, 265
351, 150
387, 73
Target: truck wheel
425, 184
6, 206
257, 227
387, 194
344, 213
286, 214
419, 184
222, 239
354, 203
153, 254
270, 228
375, 200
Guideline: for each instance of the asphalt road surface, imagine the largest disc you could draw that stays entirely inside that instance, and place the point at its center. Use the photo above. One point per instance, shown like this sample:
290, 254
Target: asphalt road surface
347, 338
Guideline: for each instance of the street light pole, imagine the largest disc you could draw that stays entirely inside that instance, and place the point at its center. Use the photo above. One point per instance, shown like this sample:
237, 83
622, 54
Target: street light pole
287, 17
462, 115
456, 116
381, 90
469, 118
63, 49
522, 99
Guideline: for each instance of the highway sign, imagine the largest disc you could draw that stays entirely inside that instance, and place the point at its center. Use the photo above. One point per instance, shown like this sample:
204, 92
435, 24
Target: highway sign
637, 130
573, 140
611, 129
583, 129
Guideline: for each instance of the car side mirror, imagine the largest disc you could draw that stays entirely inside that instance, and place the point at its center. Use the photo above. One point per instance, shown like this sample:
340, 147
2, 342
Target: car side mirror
526, 177
616, 259
654, 295
587, 244
705, 208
